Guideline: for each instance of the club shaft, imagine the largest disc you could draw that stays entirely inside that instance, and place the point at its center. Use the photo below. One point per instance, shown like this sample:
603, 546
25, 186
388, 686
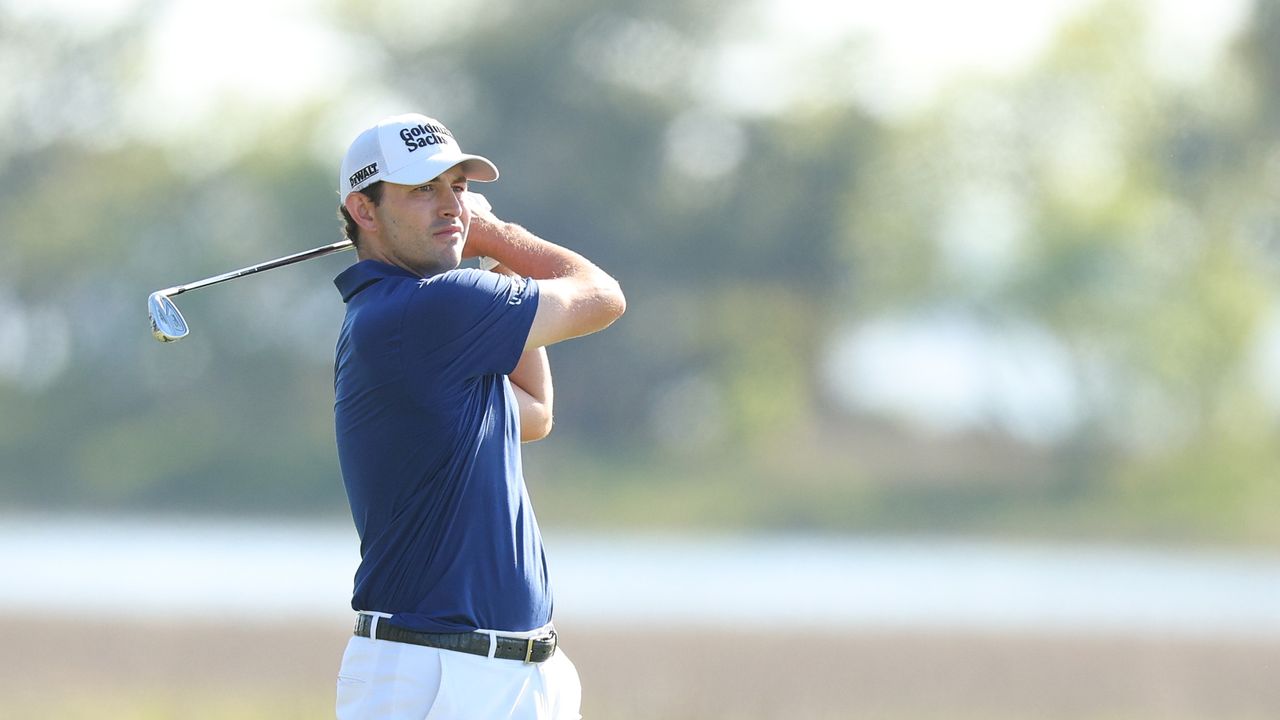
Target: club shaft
268, 265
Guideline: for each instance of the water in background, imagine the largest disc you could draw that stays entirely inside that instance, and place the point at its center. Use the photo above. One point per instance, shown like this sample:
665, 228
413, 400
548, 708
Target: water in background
101, 568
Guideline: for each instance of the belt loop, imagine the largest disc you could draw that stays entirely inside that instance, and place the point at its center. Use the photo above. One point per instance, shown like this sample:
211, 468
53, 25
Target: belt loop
373, 621
493, 644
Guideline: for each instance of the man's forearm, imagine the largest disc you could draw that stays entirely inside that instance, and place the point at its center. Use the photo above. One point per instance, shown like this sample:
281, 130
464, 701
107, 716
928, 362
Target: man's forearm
531, 380
527, 254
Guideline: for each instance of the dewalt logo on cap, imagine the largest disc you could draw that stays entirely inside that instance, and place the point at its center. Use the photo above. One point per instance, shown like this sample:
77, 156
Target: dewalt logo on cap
363, 174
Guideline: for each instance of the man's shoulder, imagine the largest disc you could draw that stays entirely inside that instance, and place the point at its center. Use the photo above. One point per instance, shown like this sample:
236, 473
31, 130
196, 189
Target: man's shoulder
459, 277
464, 284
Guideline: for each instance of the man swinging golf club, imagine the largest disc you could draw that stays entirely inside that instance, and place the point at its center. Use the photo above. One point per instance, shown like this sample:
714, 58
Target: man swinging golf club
440, 374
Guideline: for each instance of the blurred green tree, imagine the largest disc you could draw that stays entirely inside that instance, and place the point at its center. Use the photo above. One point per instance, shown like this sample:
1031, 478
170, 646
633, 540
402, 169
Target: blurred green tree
1126, 217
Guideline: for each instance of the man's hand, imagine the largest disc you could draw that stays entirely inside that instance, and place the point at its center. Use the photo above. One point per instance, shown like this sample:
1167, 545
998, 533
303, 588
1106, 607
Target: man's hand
480, 210
484, 234
477, 203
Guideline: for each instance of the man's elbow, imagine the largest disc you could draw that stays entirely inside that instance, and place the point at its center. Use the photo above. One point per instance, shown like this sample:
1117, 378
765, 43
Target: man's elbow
536, 428
612, 303
620, 300
599, 305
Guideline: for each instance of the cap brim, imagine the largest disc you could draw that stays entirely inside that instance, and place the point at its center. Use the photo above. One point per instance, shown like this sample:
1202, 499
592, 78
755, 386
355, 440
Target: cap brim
474, 168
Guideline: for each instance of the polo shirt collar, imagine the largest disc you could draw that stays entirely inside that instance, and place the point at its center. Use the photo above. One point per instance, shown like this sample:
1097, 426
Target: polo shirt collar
365, 273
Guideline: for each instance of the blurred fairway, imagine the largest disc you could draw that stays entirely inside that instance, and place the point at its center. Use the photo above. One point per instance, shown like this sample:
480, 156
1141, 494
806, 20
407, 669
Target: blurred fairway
113, 671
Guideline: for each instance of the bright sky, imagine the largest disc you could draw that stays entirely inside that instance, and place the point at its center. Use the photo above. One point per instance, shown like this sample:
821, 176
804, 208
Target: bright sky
281, 52
915, 46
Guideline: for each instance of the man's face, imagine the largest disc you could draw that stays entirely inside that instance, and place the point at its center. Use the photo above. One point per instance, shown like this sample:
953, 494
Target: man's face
422, 228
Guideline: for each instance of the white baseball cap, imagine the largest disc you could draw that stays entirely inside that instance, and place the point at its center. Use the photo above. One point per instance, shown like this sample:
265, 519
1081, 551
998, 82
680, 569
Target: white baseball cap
407, 150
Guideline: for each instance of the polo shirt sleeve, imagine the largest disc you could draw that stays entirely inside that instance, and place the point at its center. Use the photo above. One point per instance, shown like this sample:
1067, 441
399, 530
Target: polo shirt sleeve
466, 323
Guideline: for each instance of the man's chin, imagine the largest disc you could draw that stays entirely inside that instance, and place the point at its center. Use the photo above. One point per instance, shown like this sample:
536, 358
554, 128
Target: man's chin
439, 265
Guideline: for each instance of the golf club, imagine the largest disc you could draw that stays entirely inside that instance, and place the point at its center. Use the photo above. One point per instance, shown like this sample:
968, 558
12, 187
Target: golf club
168, 325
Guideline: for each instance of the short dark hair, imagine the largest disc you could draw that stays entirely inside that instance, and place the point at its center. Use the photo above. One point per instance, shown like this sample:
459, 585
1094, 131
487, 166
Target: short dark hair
350, 229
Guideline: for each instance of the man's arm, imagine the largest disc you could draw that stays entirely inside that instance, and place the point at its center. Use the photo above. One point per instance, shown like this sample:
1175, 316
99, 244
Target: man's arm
531, 381
575, 297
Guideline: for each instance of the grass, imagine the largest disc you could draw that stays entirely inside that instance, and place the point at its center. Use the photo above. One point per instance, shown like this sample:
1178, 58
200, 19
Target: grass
241, 671
168, 704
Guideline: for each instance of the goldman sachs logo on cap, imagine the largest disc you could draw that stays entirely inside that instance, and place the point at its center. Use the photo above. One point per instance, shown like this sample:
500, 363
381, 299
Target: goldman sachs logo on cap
420, 136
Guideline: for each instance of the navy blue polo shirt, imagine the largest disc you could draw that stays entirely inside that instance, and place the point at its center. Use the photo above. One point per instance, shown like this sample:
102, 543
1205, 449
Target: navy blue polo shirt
428, 434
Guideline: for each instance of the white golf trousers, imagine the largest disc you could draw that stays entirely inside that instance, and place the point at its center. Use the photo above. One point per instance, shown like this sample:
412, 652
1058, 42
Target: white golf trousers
385, 680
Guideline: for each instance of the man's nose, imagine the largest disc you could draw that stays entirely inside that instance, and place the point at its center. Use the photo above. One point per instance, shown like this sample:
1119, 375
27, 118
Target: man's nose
453, 206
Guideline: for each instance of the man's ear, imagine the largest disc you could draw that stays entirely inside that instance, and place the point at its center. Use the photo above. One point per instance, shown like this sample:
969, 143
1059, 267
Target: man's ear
360, 207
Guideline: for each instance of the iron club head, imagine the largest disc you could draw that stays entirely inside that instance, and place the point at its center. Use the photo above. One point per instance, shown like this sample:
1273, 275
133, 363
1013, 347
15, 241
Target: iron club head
167, 323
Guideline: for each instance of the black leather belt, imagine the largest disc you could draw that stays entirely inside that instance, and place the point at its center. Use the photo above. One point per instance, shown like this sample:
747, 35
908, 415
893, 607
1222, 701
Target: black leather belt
530, 650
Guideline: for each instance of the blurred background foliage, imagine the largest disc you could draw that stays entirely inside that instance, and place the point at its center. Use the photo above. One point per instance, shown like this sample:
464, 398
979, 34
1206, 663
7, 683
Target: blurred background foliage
1042, 302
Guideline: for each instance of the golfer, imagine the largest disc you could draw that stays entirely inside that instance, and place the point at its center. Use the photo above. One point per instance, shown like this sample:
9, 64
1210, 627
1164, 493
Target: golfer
440, 374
